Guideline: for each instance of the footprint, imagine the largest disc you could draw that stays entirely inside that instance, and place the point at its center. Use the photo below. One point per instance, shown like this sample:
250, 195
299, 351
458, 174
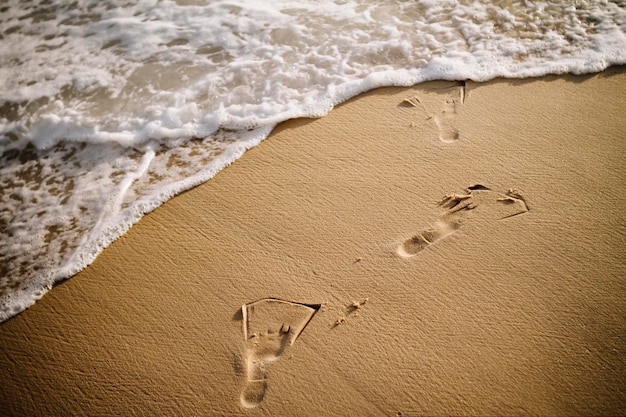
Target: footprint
446, 122
490, 204
444, 116
269, 327
413, 245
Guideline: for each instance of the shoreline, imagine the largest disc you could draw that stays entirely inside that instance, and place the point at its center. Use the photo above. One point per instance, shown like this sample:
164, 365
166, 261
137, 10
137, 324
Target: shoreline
506, 300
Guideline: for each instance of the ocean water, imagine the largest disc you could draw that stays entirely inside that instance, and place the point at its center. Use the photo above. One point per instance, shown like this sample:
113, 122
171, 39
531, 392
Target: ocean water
108, 108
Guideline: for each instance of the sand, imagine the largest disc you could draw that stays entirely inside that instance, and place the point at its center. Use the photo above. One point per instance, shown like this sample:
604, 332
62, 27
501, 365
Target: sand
460, 252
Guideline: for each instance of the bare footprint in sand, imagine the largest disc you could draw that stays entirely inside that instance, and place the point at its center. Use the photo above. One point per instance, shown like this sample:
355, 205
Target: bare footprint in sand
490, 204
269, 327
446, 121
443, 114
417, 243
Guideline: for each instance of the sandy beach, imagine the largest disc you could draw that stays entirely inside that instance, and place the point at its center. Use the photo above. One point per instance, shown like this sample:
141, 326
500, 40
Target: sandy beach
446, 249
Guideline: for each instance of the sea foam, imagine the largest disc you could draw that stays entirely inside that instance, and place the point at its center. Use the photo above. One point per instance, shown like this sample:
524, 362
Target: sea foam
108, 108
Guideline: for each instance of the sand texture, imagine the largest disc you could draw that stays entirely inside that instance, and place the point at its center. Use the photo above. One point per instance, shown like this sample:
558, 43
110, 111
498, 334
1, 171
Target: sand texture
451, 248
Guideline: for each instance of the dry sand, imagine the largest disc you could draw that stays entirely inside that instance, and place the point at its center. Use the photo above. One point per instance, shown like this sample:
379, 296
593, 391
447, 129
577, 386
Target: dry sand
489, 301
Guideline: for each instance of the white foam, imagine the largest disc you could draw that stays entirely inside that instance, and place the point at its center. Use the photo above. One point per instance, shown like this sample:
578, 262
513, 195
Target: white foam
109, 109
